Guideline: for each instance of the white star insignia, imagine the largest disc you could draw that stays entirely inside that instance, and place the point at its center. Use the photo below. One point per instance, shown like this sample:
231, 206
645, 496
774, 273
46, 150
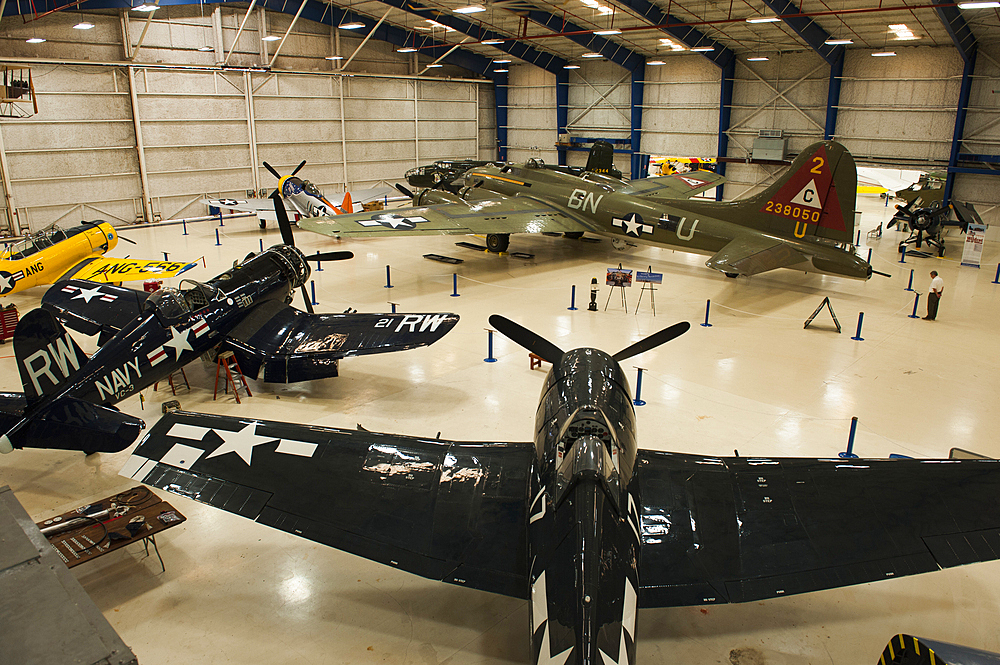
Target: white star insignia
88, 294
6, 283
241, 442
632, 226
179, 341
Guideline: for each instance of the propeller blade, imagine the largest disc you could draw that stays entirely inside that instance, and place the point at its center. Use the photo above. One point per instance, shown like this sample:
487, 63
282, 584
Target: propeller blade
330, 256
299, 167
404, 190
529, 340
653, 341
121, 237
283, 223
271, 169
305, 296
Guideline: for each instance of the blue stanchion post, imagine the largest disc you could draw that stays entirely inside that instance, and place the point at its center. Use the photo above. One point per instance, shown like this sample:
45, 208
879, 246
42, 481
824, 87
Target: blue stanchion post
166, 257
869, 255
261, 245
312, 287
218, 243
849, 453
708, 306
185, 225
858, 242
454, 285
220, 218
638, 390
902, 254
996, 279
916, 300
857, 336
909, 287
572, 299
489, 346
393, 307
319, 266
388, 282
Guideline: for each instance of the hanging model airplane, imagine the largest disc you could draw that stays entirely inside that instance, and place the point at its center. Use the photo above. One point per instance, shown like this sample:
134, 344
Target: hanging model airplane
55, 253
147, 336
303, 199
804, 221
581, 522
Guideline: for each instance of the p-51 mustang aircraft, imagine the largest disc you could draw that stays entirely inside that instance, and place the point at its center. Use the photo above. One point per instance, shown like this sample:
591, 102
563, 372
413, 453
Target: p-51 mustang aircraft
78, 251
147, 336
582, 523
303, 199
804, 221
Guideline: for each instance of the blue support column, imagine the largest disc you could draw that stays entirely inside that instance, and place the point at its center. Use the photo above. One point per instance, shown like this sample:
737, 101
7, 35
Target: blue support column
728, 73
963, 110
562, 111
833, 95
500, 92
637, 76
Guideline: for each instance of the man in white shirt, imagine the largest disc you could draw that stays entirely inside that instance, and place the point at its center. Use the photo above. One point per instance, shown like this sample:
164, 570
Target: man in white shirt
936, 289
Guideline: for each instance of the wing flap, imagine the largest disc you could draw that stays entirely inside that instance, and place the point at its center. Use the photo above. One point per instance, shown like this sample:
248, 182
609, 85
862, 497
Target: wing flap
735, 529
753, 254
281, 344
446, 510
501, 215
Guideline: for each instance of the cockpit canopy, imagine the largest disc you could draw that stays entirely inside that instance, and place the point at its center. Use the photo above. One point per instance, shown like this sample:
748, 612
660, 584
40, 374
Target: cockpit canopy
36, 242
295, 186
172, 304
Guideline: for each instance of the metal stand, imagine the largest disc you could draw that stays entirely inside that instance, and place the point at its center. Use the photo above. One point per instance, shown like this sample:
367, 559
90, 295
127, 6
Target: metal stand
826, 302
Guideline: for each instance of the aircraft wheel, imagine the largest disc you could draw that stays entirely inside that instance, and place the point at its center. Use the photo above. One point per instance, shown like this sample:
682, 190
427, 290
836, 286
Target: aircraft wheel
498, 242
573, 235
263, 224
732, 275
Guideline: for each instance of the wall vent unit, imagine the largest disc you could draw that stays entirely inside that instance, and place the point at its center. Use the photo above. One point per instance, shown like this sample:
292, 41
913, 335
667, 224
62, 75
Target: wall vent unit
769, 149
769, 133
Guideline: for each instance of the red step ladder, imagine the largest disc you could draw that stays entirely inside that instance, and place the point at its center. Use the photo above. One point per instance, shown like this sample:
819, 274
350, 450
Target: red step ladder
227, 360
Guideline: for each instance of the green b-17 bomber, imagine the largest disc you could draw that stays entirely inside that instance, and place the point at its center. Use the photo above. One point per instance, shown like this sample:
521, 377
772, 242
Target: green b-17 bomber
804, 221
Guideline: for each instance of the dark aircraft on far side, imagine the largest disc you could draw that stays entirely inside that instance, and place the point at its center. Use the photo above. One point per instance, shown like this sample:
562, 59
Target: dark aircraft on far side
581, 522
144, 337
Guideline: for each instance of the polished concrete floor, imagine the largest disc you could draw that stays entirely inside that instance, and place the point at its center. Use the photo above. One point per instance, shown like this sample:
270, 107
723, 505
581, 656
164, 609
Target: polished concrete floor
756, 381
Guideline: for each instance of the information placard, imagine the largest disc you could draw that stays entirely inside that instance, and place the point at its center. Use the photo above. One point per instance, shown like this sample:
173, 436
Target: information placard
972, 254
649, 277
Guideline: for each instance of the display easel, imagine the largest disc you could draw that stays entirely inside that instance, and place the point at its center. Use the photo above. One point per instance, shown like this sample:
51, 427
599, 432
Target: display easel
652, 292
826, 303
620, 286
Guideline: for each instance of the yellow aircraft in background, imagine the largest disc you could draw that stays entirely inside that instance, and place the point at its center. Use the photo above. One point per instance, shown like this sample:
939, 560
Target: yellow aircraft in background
55, 253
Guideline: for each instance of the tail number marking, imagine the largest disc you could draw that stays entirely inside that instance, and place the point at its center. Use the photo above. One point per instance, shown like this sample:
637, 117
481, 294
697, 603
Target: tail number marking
582, 199
64, 354
793, 211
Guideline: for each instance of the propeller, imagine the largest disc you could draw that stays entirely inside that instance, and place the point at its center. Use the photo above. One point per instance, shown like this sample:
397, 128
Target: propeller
121, 237
403, 190
278, 175
552, 353
286, 237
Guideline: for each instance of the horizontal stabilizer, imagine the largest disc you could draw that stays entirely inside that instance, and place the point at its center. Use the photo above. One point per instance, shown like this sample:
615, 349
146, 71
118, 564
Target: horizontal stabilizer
91, 308
68, 423
753, 254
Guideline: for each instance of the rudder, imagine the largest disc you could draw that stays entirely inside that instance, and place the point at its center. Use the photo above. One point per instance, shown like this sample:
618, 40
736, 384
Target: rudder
602, 160
47, 357
814, 197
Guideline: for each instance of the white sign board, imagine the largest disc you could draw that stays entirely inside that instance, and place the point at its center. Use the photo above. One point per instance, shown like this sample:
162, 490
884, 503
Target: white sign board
972, 255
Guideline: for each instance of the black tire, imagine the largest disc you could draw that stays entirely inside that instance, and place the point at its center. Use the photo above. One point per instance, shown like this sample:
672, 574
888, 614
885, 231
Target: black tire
263, 223
573, 235
498, 242
732, 275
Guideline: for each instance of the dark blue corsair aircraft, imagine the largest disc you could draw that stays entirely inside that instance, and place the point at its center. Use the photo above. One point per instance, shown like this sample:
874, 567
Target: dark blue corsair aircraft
67, 400
581, 522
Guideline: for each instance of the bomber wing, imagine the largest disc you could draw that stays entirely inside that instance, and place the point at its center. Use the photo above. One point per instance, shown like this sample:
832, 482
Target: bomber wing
445, 510
717, 530
753, 253
276, 342
520, 214
674, 186
106, 269
92, 308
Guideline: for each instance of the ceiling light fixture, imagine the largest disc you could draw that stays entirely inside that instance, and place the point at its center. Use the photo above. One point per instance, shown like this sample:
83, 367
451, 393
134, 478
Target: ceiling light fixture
145, 8
702, 49
35, 40
883, 54
83, 25
978, 5
492, 42
838, 42
757, 58
270, 38
503, 61
470, 9
571, 66
764, 19
592, 55
902, 32
354, 25
206, 48
607, 32
500, 71
434, 65
655, 62
334, 57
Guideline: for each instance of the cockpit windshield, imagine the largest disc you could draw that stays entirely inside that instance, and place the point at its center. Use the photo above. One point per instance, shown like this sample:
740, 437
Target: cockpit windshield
292, 187
168, 303
311, 188
588, 447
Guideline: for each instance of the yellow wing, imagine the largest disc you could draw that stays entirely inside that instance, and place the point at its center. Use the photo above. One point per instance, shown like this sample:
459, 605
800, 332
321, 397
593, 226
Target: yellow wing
105, 269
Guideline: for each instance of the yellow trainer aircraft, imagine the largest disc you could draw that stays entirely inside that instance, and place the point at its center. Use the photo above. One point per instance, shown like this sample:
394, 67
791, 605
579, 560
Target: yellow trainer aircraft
55, 253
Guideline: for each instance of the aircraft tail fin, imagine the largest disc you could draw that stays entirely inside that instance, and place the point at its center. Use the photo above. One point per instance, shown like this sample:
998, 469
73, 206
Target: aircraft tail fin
348, 205
47, 357
815, 196
602, 159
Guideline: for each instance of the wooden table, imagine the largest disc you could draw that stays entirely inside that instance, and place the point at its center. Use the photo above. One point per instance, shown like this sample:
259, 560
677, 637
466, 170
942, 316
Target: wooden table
110, 524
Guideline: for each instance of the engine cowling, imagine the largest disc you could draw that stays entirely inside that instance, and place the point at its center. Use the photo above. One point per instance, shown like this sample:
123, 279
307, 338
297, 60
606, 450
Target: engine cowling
432, 196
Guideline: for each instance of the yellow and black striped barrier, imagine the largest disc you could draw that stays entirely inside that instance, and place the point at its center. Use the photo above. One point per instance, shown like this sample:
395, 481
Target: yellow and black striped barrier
907, 650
